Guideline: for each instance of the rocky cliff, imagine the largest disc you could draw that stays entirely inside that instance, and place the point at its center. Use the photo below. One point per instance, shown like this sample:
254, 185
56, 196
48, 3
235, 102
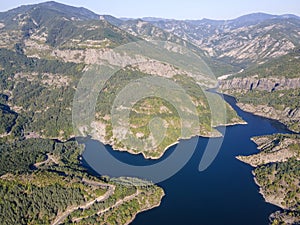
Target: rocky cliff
287, 116
276, 174
272, 97
263, 84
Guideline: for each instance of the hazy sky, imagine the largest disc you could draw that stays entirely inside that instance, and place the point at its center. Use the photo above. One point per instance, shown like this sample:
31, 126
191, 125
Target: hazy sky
177, 9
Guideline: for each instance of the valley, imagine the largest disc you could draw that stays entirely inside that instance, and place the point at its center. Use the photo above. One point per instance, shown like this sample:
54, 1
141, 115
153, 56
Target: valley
140, 87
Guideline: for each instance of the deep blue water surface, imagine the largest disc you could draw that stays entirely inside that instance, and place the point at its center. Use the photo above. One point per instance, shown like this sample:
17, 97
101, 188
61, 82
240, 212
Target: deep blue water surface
224, 194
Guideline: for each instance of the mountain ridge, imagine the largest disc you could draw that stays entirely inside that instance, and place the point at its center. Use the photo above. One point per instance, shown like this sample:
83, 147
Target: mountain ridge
257, 37
83, 12
250, 16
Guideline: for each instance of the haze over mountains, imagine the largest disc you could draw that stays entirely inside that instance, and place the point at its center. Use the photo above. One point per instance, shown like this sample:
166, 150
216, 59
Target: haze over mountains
247, 39
233, 44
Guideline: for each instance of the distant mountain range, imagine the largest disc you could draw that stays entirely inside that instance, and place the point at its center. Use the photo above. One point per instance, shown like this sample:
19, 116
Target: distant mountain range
226, 45
242, 41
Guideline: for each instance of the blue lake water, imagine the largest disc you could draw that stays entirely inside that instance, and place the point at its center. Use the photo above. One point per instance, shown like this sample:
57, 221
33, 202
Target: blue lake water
224, 194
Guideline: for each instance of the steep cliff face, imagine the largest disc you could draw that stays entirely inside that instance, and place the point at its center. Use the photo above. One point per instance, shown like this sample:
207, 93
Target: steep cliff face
262, 84
287, 116
272, 97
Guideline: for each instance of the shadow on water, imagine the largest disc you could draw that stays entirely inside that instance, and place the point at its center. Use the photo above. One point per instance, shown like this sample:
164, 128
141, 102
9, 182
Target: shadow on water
225, 193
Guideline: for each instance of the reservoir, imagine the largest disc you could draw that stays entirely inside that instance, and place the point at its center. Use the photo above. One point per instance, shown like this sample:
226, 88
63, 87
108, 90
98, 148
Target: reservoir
223, 194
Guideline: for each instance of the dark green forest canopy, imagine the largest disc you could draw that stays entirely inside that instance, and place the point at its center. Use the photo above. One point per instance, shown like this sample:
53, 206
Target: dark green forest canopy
19, 156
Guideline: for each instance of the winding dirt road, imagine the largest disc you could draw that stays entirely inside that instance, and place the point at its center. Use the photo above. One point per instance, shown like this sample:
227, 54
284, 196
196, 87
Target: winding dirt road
118, 203
62, 216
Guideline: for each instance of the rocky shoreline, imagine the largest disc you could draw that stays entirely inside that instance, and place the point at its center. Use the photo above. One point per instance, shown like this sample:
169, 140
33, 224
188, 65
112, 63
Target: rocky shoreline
267, 198
212, 135
284, 116
280, 150
146, 209
279, 153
